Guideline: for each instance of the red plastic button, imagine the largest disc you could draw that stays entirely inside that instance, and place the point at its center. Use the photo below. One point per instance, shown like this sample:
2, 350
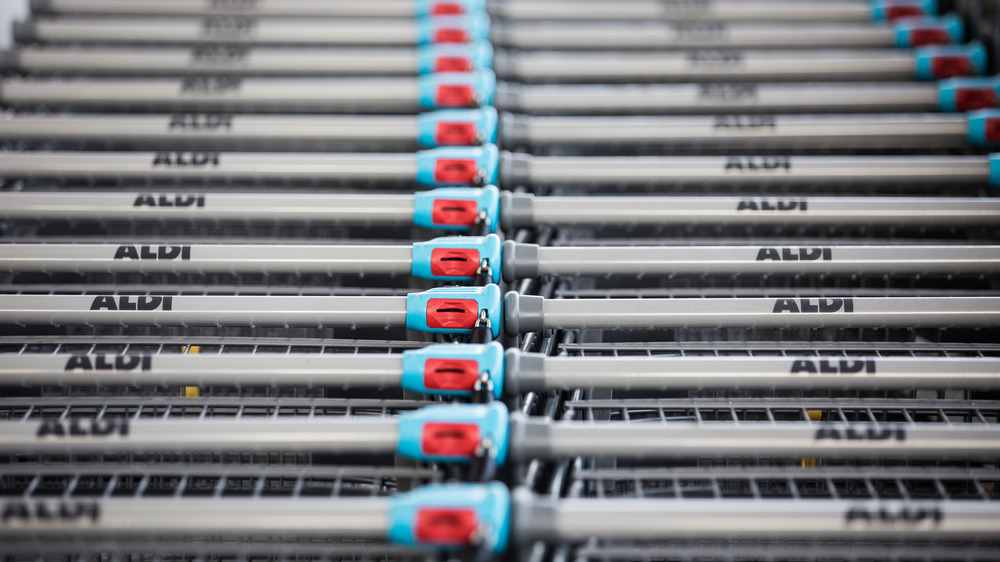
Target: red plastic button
967, 99
454, 212
993, 130
453, 64
928, 36
450, 439
946, 67
456, 134
895, 12
451, 36
454, 262
455, 95
446, 526
450, 170
447, 9
452, 314
450, 374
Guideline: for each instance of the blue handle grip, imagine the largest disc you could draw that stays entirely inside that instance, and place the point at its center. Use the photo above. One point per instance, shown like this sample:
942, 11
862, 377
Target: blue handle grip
454, 208
882, 9
487, 358
475, 26
450, 258
980, 132
489, 505
482, 123
425, 8
418, 439
956, 94
453, 166
479, 55
951, 24
452, 320
447, 89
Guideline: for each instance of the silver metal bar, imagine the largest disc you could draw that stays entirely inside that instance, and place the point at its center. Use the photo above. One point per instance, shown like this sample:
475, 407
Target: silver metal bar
660, 35
215, 61
182, 165
214, 130
525, 210
531, 314
530, 260
682, 439
792, 131
346, 517
221, 93
223, 30
76, 436
702, 10
716, 65
207, 258
582, 519
717, 98
359, 209
202, 369
743, 170
536, 372
322, 8
184, 310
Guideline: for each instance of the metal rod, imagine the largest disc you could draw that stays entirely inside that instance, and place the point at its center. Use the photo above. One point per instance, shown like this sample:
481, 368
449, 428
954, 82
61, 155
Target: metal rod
347, 517
200, 206
207, 258
80, 436
214, 61
791, 131
525, 210
531, 314
658, 35
221, 93
182, 165
535, 372
183, 310
582, 519
230, 369
716, 98
521, 261
214, 130
682, 439
724, 65
743, 170
369, 8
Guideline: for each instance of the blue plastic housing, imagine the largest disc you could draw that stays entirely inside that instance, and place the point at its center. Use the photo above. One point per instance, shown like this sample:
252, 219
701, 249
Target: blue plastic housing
924, 57
488, 357
476, 25
488, 247
977, 121
492, 419
994, 170
487, 159
951, 23
487, 297
486, 198
425, 8
948, 90
483, 83
880, 8
479, 53
484, 119
491, 502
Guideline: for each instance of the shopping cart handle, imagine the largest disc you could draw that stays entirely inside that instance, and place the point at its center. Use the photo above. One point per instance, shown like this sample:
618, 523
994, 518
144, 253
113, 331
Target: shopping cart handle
520, 261
457, 127
467, 28
453, 370
456, 258
920, 31
458, 166
966, 94
455, 432
889, 10
457, 208
424, 8
984, 128
454, 58
456, 89
454, 310
452, 516
946, 61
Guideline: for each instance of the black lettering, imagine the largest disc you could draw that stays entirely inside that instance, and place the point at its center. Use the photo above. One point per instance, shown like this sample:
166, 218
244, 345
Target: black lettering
78, 362
827, 433
104, 303
210, 84
768, 254
830, 305
126, 252
806, 306
125, 303
146, 253
747, 205
850, 367
165, 202
227, 25
127, 362
44, 511
848, 305
50, 427
148, 303
144, 201
758, 163
785, 305
168, 252
219, 54
803, 366
102, 364
15, 510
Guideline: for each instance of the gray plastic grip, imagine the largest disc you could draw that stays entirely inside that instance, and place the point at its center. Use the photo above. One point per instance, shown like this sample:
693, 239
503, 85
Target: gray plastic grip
10, 61
523, 372
523, 313
40, 6
514, 129
517, 210
23, 31
515, 168
520, 261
